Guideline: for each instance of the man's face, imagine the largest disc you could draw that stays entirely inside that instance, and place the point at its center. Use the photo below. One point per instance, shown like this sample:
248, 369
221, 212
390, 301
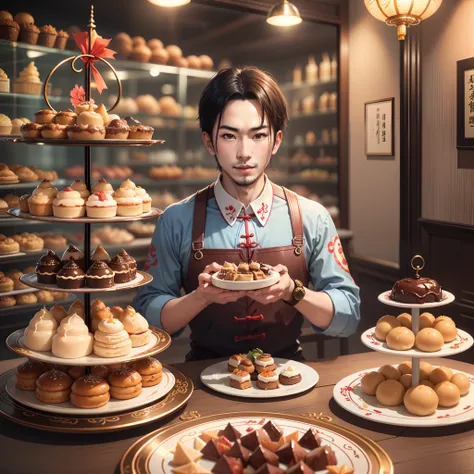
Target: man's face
244, 144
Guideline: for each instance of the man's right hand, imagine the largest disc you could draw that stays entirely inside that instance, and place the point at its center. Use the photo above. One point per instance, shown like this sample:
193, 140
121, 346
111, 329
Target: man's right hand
210, 294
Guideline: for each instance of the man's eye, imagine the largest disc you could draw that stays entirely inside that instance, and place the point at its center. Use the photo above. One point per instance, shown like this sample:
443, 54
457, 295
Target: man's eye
260, 136
228, 136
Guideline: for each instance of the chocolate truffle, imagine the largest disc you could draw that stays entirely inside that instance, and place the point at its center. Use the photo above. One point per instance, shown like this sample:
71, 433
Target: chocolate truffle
240, 452
216, 448
122, 273
71, 276
100, 254
300, 468
269, 469
230, 433
100, 275
261, 456
228, 465
130, 261
254, 439
273, 430
291, 452
311, 439
73, 253
416, 290
319, 458
48, 267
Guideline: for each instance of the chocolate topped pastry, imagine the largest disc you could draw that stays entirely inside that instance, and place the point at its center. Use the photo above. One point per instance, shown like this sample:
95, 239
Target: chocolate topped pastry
254, 439
416, 290
230, 433
216, 448
117, 129
122, 272
311, 439
73, 253
291, 452
71, 276
130, 261
100, 275
261, 456
319, 458
48, 267
100, 254
273, 430
240, 452
228, 465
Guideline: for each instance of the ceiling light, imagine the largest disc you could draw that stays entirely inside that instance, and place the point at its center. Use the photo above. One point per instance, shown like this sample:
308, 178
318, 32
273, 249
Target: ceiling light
169, 3
284, 14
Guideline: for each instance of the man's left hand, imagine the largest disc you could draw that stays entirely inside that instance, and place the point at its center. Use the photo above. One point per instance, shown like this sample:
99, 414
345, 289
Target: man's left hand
282, 290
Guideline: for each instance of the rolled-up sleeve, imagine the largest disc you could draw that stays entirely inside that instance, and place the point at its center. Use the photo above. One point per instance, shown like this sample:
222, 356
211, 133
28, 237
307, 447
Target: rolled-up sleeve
329, 272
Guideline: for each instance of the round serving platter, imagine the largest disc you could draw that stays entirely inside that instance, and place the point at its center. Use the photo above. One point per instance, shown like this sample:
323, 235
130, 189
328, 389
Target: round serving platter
273, 278
104, 142
141, 279
152, 454
173, 401
159, 341
446, 298
15, 212
347, 394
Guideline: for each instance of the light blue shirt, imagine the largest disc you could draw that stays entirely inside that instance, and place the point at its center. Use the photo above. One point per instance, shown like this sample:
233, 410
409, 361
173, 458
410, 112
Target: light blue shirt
171, 248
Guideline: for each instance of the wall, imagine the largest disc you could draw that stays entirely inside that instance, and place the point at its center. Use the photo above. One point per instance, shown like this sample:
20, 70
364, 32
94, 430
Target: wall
447, 37
374, 199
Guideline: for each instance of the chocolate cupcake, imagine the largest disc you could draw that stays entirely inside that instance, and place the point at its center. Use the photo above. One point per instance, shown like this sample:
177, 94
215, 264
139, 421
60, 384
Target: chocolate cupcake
29, 33
117, 129
9, 30
73, 253
48, 267
61, 40
130, 261
100, 254
47, 36
71, 276
122, 272
100, 275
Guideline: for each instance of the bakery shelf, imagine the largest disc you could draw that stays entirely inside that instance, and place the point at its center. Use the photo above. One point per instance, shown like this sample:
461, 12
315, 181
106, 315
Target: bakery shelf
20, 256
19, 292
290, 87
316, 113
13, 96
83, 143
31, 308
140, 243
29, 185
8, 221
310, 145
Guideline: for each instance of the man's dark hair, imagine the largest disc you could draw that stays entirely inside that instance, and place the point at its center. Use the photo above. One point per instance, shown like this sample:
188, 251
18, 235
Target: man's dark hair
247, 83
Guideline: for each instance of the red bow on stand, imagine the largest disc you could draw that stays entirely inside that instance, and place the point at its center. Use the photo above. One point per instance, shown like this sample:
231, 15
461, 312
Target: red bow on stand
99, 50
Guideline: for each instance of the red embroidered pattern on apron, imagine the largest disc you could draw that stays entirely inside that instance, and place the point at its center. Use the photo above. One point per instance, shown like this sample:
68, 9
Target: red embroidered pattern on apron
335, 247
151, 260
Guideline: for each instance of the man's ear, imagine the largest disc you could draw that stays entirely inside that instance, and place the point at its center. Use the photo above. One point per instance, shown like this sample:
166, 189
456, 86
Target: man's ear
208, 143
278, 139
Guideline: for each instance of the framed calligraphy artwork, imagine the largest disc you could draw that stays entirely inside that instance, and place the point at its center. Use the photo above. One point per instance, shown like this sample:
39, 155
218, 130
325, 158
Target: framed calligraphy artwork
379, 127
465, 103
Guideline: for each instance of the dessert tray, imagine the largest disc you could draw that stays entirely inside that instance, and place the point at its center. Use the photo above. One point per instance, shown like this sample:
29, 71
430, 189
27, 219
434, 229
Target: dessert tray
272, 278
216, 377
446, 298
159, 341
153, 454
67, 142
347, 394
141, 279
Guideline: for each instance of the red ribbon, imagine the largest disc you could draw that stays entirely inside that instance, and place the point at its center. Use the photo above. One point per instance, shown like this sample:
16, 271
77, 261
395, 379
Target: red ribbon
99, 50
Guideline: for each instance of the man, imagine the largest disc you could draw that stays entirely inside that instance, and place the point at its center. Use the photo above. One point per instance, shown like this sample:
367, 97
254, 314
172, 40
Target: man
244, 217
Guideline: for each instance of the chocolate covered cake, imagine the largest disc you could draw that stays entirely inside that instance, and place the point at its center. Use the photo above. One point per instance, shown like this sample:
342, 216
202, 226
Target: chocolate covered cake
73, 253
130, 261
100, 254
71, 276
48, 267
416, 290
100, 275
122, 272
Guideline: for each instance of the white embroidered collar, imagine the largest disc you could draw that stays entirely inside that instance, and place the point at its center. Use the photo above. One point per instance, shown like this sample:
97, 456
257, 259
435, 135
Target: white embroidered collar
231, 208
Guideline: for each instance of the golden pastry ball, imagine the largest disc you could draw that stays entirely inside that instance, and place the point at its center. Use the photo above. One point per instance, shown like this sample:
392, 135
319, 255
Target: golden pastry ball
370, 382
426, 320
425, 370
429, 340
405, 367
5, 15
406, 381
448, 394
421, 400
440, 374
174, 51
462, 382
23, 17
400, 339
390, 372
206, 62
390, 393
427, 383
405, 320
443, 318
384, 325
194, 62
447, 329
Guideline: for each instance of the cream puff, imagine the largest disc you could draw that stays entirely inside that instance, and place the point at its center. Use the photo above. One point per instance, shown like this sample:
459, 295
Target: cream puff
90, 118
45, 116
136, 326
72, 339
128, 203
80, 186
145, 197
54, 130
102, 185
117, 129
69, 204
101, 205
39, 334
66, 118
111, 339
86, 106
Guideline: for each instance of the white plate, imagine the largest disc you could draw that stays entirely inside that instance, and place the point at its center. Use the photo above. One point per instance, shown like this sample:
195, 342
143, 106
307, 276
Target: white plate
462, 343
446, 298
148, 395
348, 395
217, 377
273, 278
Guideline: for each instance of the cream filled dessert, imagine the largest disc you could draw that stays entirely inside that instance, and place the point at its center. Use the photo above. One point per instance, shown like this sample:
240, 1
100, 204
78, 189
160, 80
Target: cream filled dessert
39, 333
145, 197
54, 130
28, 81
136, 326
102, 111
267, 380
72, 338
128, 203
101, 205
77, 307
111, 339
5, 125
100, 254
264, 362
290, 376
66, 117
128, 184
103, 185
79, 186
85, 132
40, 203
88, 106
117, 130
69, 204
90, 118
234, 361
240, 379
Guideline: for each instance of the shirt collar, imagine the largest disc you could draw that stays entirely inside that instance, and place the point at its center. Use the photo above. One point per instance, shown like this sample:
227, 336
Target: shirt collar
231, 208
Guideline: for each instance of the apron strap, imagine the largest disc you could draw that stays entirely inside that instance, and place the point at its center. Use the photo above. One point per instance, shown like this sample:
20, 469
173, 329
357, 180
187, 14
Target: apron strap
199, 220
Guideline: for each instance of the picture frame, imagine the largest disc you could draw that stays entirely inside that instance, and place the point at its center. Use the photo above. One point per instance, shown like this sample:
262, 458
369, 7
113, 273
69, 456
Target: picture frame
379, 118
465, 104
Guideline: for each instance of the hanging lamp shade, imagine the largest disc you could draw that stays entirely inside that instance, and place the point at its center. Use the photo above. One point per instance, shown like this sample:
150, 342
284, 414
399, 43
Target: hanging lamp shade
169, 3
402, 13
284, 14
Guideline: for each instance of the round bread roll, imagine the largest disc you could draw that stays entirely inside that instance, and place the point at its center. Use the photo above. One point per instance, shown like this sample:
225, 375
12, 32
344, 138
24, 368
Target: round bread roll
23, 17
421, 400
5, 15
138, 41
447, 329
429, 340
53, 386
155, 44
390, 393
405, 320
405, 367
427, 383
443, 318
151, 371
384, 325
462, 382
97, 305
440, 374
27, 373
125, 383
174, 51
206, 62
90, 392
406, 381
426, 320
390, 372
194, 62
400, 339
425, 370
101, 371
448, 394
159, 56
76, 372
370, 382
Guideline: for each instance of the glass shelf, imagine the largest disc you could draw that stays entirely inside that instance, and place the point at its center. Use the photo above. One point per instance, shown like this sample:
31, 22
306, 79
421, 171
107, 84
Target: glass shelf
290, 87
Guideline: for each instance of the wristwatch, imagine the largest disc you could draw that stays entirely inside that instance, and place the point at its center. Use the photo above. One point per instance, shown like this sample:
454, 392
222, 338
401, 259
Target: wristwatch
298, 293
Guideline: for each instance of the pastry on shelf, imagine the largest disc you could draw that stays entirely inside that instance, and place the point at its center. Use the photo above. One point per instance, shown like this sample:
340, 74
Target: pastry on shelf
101, 205
6, 283
9, 29
4, 81
41, 201
76, 372
26, 175
61, 40
60, 295
166, 172
29, 80
7, 176
71, 276
16, 125
132, 263
100, 254
53, 240
147, 104
38, 336
3, 207
139, 131
136, 326
111, 339
29, 242
5, 125
79, 186
27, 373
7, 301
141, 229
72, 338
77, 307
150, 370
117, 129
125, 383
9, 246
45, 116
47, 36
112, 236
12, 200
103, 185
54, 131
53, 387
123, 44
48, 267
31, 130
128, 203
69, 204
100, 275
15, 275
67, 117
44, 296
122, 273
90, 392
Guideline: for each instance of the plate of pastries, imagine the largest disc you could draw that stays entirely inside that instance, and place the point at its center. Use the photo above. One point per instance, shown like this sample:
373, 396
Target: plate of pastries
245, 276
258, 375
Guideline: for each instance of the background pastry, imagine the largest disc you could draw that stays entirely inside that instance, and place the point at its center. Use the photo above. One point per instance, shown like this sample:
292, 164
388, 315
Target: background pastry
421, 400
384, 325
27, 373
39, 334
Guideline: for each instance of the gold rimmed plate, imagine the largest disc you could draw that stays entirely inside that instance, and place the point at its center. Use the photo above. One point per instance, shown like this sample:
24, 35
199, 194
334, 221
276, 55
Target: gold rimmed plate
174, 400
153, 454
67, 142
141, 279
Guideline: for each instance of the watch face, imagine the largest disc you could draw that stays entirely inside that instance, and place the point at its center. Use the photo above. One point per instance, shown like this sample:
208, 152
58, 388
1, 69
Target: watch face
298, 293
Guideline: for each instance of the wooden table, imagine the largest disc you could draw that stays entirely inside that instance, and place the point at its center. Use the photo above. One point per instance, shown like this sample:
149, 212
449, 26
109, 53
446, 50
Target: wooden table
413, 450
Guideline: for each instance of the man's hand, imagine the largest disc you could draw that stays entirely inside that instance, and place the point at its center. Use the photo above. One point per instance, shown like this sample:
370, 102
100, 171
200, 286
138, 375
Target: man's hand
208, 293
279, 291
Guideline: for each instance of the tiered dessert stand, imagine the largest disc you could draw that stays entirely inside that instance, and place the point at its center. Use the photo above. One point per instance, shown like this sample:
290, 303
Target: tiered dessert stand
155, 402
347, 392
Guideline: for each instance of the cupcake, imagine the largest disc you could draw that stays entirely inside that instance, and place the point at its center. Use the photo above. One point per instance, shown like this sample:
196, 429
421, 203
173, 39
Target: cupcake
137, 327
72, 339
145, 197
54, 130
103, 185
122, 272
39, 334
128, 203
31, 130
85, 132
117, 130
73, 253
131, 262
48, 267
79, 186
66, 118
101, 205
29, 33
16, 125
47, 36
5, 125
61, 39
69, 204
25, 174
100, 275
70, 277
4, 81
45, 116
138, 131
85, 106
9, 29
290, 376
100, 254
29, 81
89, 117
24, 17
41, 201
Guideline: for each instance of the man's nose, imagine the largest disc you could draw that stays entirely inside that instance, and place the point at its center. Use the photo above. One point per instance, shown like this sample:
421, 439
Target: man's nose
245, 149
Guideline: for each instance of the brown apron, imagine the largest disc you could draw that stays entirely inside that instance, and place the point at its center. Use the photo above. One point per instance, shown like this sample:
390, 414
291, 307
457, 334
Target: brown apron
222, 330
